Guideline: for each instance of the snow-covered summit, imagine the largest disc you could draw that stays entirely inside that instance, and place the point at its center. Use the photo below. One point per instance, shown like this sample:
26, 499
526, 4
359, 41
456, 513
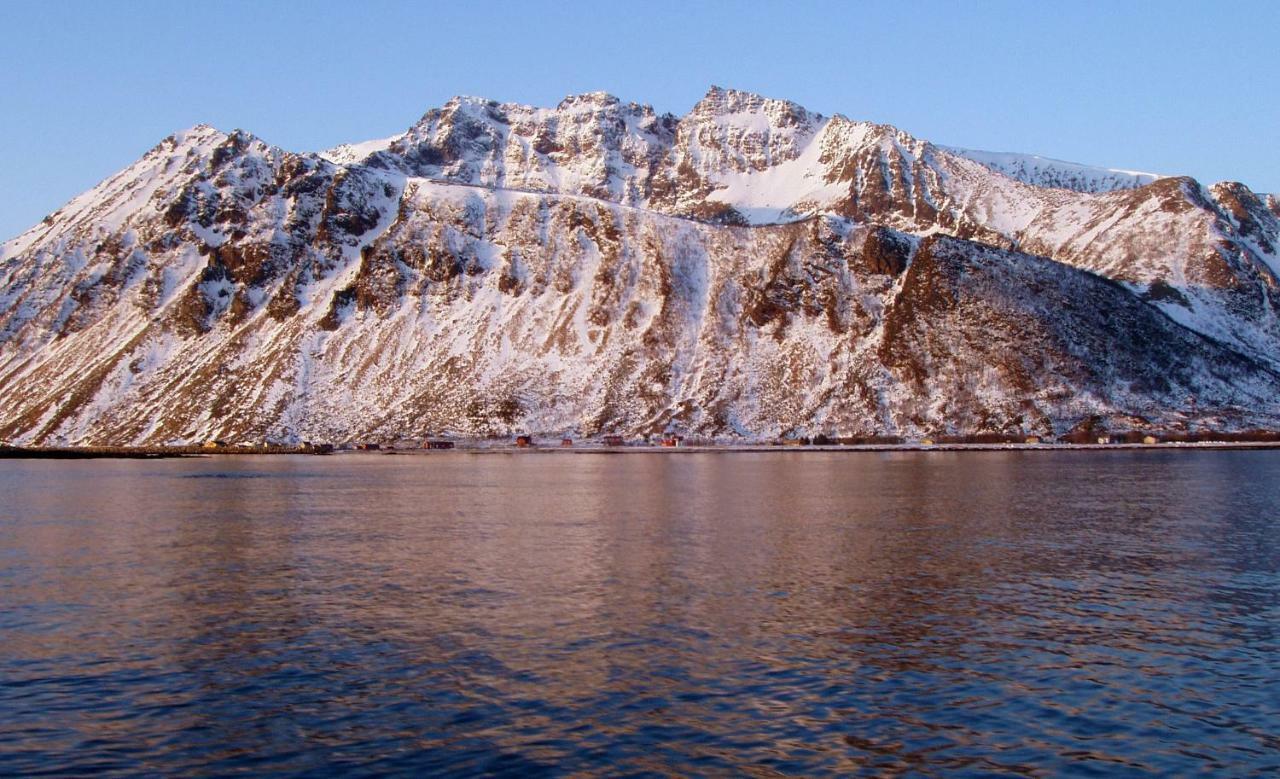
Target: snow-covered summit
1059, 174
352, 153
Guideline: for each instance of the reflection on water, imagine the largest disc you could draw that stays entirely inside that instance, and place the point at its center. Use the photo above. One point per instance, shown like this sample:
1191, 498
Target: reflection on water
764, 614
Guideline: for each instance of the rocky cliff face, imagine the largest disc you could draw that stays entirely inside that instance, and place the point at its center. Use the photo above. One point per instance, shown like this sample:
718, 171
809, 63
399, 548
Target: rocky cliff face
751, 269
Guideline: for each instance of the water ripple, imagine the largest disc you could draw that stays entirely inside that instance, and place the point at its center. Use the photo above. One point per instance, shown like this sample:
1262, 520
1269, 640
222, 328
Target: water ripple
998, 613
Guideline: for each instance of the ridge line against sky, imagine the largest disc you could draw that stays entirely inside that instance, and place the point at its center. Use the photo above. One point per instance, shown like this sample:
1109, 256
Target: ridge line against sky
1174, 88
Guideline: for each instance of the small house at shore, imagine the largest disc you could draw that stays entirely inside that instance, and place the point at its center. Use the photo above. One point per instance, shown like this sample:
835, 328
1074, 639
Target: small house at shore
437, 444
613, 440
524, 441
673, 440
1104, 439
566, 442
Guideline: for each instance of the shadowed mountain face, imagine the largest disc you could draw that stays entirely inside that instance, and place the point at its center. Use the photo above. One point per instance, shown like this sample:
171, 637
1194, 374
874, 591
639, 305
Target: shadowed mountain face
751, 269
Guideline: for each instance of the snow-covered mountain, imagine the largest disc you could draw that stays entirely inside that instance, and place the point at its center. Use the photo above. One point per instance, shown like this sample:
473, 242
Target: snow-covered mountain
750, 269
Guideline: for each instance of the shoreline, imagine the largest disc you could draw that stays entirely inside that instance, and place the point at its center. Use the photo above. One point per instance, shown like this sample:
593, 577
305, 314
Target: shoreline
158, 452
846, 448
139, 452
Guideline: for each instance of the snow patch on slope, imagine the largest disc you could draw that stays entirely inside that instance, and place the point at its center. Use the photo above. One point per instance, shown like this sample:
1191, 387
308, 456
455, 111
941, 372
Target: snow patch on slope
785, 192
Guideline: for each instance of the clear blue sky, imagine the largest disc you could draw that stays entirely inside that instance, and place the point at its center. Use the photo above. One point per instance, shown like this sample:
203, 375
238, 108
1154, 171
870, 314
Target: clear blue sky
87, 87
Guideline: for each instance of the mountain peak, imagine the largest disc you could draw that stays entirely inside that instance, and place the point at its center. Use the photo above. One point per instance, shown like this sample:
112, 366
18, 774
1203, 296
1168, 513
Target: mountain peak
470, 100
597, 99
196, 134
720, 101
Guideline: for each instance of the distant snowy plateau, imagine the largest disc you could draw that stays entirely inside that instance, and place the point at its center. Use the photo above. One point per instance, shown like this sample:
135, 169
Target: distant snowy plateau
749, 270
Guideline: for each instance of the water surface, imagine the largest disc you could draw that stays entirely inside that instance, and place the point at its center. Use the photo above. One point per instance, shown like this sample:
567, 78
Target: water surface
761, 614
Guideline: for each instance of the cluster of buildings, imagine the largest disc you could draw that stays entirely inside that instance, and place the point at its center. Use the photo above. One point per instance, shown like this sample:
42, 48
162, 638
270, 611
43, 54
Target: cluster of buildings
527, 441
671, 440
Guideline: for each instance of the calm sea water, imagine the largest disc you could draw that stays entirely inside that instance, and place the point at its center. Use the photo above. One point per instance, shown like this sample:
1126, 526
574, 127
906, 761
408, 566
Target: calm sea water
759, 614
